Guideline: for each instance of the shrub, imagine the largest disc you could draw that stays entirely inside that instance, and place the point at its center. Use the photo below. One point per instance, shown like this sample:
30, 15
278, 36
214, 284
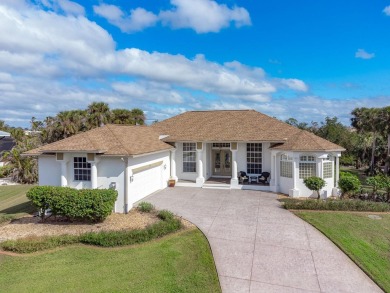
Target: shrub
336, 205
145, 207
84, 204
33, 244
165, 215
5, 171
315, 184
375, 183
386, 186
348, 185
119, 238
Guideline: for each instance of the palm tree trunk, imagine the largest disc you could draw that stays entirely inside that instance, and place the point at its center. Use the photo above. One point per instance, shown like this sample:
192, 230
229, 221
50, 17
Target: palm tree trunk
387, 162
372, 165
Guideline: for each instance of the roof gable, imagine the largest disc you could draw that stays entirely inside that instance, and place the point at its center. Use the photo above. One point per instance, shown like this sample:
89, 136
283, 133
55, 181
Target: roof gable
109, 140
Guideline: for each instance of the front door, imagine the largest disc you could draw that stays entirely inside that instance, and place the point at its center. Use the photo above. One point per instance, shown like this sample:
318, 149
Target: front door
222, 162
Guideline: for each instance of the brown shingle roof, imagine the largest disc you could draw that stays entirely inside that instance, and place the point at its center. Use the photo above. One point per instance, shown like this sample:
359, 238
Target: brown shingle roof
239, 125
303, 140
109, 140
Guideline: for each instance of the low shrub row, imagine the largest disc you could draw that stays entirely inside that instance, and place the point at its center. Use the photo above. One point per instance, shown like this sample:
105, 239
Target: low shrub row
104, 238
84, 204
336, 205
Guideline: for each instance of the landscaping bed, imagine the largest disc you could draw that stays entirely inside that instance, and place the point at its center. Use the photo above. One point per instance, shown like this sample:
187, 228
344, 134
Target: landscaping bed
31, 226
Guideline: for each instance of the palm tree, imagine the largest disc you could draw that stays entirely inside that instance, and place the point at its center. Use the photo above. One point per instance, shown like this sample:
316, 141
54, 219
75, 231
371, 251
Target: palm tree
385, 126
366, 120
138, 116
122, 116
98, 114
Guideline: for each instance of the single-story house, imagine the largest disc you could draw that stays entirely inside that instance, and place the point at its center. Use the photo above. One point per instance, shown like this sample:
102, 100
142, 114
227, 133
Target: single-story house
6, 144
191, 148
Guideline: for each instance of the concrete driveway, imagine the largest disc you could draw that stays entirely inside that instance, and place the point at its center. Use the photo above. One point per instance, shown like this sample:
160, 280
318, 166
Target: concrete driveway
260, 247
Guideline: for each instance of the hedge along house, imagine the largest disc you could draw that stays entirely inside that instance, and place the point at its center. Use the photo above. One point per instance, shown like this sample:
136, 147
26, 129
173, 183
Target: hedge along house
191, 148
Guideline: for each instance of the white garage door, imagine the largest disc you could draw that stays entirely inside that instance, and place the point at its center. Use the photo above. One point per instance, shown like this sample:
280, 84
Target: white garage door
146, 180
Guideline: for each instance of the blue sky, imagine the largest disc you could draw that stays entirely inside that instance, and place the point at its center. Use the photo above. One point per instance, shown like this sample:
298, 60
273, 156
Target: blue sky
301, 59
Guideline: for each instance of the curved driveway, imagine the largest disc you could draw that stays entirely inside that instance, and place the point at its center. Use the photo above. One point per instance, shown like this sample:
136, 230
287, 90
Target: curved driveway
260, 247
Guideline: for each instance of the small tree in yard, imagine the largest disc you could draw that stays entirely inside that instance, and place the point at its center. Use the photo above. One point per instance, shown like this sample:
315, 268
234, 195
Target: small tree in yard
376, 182
315, 184
385, 184
349, 184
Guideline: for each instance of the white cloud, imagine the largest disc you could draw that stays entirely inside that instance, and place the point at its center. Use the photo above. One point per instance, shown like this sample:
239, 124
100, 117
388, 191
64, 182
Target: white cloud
295, 84
137, 20
203, 16
51, 62
71, 7
363, 54
387, 10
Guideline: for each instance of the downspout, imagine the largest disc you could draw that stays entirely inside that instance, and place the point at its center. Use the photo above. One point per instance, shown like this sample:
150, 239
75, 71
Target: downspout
127, 179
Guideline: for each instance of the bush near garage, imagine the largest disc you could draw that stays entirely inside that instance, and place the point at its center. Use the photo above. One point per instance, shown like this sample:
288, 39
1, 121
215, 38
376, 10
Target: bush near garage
84, 204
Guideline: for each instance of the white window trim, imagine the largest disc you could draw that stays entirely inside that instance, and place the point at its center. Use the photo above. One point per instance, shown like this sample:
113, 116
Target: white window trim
305, 160
80, 177
193, 150
253, 152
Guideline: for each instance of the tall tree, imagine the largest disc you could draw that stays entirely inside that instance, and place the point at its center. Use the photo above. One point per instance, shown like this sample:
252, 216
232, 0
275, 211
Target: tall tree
367, 120
98, 114
122, 116
385, 126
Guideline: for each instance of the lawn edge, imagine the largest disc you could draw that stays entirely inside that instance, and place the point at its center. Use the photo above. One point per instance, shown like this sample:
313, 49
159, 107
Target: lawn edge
339, 247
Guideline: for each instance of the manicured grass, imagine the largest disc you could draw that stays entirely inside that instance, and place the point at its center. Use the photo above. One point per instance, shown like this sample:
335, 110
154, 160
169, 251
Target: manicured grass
180, 262
366, 241
13, 201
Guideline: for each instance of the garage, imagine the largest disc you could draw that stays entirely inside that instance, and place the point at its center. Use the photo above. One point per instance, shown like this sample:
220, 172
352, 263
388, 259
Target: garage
146, 180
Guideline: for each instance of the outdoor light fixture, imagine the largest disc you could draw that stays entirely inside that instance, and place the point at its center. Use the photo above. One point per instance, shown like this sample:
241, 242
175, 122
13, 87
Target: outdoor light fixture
131, 179
165, 166
112, 185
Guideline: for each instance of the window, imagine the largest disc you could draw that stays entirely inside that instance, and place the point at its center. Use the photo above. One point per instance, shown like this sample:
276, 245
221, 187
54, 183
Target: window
254, 158
307, 166
328, 170
221, 145
82, 169
189, 157
286, 166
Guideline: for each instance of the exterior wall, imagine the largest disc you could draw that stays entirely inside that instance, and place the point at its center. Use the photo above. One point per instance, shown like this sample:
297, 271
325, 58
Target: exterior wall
49, 171
109, 171
241, 156
266, 157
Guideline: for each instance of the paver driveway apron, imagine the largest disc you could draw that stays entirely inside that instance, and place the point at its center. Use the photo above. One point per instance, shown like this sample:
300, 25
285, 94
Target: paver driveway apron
260, 247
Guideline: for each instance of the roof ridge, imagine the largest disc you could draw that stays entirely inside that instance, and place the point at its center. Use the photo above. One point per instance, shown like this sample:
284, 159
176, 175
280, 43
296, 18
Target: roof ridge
120, 142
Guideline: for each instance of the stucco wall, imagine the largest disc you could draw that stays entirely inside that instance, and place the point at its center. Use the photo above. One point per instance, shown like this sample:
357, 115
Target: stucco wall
49, 171
112, 170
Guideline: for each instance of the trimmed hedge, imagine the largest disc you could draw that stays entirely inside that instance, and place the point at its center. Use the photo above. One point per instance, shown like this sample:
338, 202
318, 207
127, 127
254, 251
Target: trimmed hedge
104, 238
336, 205
82, 204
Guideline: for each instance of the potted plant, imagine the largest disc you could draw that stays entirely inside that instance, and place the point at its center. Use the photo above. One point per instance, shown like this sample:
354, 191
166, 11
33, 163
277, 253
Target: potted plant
171, 182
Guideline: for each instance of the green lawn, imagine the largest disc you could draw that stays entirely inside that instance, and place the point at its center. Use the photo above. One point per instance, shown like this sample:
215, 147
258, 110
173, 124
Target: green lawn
364, 240
13, 201
181, 262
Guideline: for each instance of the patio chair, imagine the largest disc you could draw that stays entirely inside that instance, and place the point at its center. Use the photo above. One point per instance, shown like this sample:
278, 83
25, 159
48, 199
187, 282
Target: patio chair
263, 177
242, 177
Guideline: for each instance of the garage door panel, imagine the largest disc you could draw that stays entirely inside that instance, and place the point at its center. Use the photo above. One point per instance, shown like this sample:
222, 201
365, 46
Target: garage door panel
145, 183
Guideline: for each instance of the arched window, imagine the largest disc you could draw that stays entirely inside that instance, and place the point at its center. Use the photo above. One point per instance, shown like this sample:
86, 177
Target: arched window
286, 166
307, 166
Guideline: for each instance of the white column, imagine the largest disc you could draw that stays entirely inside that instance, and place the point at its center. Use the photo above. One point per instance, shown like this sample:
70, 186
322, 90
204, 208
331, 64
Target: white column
294, 192
94, 182
234, 180
173, 164
64, 171
274, 174
337, 172
199, 167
